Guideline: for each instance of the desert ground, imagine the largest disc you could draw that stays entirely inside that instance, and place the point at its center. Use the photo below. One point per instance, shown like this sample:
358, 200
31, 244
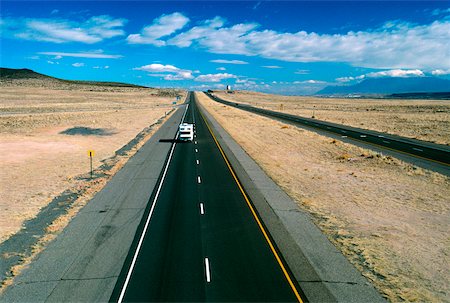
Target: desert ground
427, 120
47, 128
388, 217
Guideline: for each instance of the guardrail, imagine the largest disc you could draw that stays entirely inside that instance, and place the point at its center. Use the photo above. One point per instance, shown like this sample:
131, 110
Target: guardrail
427, 150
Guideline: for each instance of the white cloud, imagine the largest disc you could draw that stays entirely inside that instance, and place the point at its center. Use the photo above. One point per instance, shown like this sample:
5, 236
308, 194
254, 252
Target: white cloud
310, 82
101, 67
93, 30
228, 61
395, 73
158, 68
302, 72
214, 37
182, 75
187, 38
78, 64
440, 72
33, 57
168, 72
439, 11
161, 27
57, 57
53, 12
393, 45
93, 54
271, 66
221, 68
214, 77
345, 79
52, 62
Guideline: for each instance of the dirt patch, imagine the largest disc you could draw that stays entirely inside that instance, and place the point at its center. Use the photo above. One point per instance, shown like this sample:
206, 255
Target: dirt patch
388, 217
427, 120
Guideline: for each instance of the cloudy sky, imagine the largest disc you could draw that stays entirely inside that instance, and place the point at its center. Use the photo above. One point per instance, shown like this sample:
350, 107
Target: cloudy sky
289, 47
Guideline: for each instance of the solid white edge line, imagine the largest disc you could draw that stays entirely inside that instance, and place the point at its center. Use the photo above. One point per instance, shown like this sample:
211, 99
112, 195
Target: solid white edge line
141, 240
199, 180
185, 112
208, 274
202, 210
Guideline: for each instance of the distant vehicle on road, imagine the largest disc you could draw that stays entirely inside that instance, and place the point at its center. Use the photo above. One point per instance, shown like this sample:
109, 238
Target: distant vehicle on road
186, 132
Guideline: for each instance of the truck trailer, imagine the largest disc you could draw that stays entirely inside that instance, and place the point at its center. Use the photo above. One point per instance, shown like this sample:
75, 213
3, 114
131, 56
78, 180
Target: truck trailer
186, 132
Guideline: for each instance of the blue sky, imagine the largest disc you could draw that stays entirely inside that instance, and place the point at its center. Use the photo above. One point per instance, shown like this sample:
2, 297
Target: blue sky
288, 47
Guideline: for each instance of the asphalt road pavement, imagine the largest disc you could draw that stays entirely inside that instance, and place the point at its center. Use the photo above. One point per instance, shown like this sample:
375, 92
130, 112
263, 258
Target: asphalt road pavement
201, 239
438, 154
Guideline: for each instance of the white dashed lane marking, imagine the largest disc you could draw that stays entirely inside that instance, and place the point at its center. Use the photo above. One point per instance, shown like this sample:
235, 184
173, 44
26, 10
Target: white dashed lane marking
202, 209
207, 270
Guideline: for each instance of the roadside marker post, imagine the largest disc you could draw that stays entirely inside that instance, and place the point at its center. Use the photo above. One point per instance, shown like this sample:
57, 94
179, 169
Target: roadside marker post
91, 154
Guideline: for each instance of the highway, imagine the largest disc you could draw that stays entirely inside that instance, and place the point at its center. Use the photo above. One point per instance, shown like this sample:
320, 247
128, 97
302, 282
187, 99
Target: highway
200, 238
438, 154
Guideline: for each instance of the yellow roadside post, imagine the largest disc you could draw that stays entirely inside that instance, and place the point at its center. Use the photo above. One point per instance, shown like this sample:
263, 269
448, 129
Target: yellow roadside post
91, 154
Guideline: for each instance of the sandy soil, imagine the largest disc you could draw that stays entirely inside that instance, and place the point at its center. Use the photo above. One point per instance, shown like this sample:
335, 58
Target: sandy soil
389, 218
427, 120
38, 161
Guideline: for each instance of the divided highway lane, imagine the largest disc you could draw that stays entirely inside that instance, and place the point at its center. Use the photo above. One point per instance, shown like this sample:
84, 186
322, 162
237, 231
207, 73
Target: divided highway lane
200, 239
421, 149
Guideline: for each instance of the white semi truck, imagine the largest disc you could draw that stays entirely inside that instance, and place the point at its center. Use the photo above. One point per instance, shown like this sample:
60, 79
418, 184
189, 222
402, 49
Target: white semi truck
186, 132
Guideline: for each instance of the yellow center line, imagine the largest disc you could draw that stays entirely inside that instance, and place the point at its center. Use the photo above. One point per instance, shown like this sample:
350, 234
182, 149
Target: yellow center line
258, 221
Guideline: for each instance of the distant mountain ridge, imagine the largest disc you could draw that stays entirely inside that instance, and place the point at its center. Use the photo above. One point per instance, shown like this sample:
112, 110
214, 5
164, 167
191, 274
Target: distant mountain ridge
25, 73
390, 86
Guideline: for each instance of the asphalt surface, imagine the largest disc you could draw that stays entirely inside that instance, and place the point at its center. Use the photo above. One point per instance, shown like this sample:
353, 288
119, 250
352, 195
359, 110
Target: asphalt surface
437, 153
199, 239
323, 273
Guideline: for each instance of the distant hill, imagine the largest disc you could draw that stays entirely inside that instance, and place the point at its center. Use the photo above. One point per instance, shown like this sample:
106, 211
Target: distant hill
24, 73
390, 86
